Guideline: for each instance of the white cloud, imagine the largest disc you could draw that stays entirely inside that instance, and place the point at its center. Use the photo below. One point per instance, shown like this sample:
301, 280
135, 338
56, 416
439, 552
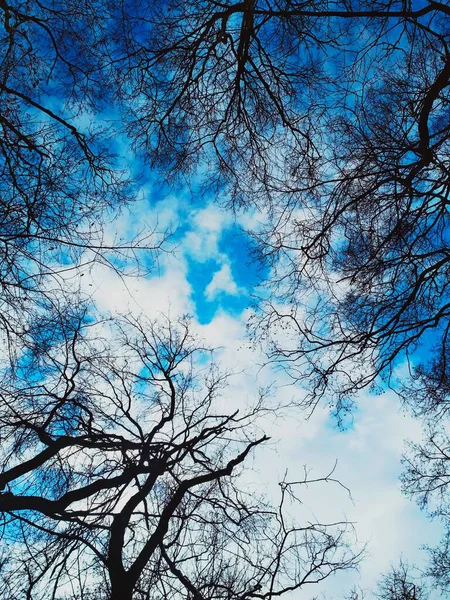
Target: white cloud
167, 289
212, 218
222, 282
206, 226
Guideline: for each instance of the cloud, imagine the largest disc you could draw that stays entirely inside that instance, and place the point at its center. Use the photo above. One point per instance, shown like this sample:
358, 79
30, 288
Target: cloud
222, 282
206, 226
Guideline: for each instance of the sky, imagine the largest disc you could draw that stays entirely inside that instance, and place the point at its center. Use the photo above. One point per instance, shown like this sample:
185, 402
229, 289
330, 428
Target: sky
209, 275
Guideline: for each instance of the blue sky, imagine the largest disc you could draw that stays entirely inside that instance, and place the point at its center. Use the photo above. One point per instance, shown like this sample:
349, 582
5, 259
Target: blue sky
221, 278
225, 284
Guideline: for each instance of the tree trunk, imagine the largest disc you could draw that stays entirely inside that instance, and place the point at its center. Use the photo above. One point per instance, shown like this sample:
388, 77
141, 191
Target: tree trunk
121, 589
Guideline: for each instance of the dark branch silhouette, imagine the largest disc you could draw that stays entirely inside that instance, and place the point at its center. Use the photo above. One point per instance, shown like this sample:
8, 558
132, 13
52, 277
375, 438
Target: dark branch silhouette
122, 476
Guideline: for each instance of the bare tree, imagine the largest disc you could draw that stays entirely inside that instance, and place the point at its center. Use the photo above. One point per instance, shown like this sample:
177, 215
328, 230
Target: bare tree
122, 475
360, 264
245, 84
332, 118
401, 583
426, 479
61, 177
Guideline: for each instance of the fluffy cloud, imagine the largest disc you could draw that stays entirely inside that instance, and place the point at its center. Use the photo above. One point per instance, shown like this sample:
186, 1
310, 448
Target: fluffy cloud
222, 282
201, 241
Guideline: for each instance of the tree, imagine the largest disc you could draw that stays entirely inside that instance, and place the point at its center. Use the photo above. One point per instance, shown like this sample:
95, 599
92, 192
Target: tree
332, 119
329, 117
400, 584
61, 178
426, 479
122, 475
